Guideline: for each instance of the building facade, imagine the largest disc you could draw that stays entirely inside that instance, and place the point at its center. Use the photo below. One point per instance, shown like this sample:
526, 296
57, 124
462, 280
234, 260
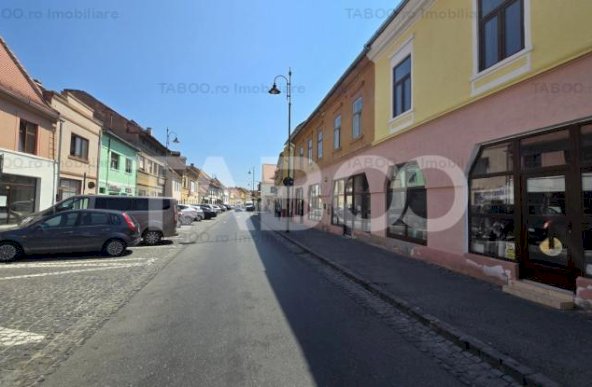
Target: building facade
118, 166
78, 137
479, 160
27, 145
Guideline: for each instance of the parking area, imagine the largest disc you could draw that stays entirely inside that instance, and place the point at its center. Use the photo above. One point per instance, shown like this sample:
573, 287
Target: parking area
52, 304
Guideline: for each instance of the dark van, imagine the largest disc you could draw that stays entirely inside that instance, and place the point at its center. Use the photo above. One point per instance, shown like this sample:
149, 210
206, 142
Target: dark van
157, 216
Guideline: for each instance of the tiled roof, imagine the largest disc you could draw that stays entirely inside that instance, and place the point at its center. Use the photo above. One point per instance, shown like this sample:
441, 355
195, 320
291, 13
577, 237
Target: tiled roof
15, 80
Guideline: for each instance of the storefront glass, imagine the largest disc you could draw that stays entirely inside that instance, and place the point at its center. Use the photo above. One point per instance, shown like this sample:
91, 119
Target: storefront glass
17, 198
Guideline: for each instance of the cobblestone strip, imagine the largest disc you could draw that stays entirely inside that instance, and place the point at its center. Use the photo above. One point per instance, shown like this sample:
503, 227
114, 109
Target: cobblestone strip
462, 358
62, 344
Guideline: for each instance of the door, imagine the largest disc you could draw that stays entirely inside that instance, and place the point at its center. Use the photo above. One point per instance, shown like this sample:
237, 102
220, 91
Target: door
93, 231
550, 245
55, 234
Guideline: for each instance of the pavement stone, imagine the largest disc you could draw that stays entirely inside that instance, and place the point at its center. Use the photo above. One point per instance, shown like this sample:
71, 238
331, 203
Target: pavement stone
51, 305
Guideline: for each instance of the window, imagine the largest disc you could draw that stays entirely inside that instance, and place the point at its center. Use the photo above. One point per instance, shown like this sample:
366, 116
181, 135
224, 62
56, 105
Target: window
301, 156
94, 219
128, 165
141, 163
402, 87
337, 132
338, 202
69, 188
309, 143
193, 186
79, 147
114, 203
114, 160
357, 118
315, 205
320, 144
546, 150
501, 30
27, 137
357, 202
407, 204
492, 202
63, 220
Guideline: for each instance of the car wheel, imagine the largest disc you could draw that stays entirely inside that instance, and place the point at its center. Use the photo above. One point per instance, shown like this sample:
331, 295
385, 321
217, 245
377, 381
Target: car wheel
152, 237
185, 220
114, 247
9, 251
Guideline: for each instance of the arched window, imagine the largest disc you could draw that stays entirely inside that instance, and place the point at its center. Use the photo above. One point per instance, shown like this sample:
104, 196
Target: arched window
407, 204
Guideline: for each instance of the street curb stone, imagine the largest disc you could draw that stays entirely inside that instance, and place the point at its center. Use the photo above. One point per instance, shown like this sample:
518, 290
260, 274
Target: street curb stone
522, 373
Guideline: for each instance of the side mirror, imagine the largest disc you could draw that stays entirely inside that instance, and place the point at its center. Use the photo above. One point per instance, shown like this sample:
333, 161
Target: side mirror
38, 228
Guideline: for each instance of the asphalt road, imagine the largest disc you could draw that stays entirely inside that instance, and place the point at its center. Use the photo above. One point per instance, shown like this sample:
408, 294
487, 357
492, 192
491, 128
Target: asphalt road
239, 307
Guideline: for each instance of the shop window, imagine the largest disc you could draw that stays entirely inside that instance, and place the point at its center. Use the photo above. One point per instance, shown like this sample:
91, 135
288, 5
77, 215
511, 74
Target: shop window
495, 159
407, 204
501, 30
315, 203
492, 204
402, 87
28, 137
546, 150
338, 202
357, 201
69, 188
17, 198
587, 144
587, 192
78, 147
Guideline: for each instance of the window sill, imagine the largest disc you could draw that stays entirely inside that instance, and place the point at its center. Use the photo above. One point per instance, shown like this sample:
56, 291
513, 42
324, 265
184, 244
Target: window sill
485, 72
357, 139
85, 161
336, 150
401, 116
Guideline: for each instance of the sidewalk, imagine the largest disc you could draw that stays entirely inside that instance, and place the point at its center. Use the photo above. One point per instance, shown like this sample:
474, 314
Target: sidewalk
554, 343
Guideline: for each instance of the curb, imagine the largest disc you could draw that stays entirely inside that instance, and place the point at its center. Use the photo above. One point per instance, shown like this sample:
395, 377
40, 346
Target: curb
522, 373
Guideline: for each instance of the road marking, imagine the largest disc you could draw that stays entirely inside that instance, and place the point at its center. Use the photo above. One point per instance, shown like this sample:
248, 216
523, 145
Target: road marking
111, 267
85, 262
12, 337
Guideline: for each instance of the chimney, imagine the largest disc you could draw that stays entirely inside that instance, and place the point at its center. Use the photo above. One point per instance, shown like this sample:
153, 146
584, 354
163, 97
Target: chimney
149, 131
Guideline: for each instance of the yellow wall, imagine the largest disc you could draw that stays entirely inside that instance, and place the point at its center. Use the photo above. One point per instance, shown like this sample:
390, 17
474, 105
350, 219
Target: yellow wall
443, 77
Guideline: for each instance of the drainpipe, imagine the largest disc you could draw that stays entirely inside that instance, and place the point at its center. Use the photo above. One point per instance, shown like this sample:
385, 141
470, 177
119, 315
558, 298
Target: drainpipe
58, 165
98, 185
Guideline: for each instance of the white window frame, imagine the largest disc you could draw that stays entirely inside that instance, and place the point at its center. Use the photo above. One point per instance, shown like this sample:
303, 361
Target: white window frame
406, 50
337, 130
359, 115
320, 143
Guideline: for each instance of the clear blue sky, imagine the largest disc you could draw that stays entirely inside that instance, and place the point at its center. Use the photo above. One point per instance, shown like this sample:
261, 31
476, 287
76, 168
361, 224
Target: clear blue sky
135, 59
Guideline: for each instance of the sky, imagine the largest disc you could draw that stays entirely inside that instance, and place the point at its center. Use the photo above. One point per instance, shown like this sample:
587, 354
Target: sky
200, 68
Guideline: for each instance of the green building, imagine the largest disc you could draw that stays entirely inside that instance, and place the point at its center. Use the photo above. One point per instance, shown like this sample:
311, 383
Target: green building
117, 166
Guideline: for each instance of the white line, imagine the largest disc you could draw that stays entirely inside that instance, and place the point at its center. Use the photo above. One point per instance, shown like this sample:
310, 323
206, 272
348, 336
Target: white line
76, 271
12, 337
70, 263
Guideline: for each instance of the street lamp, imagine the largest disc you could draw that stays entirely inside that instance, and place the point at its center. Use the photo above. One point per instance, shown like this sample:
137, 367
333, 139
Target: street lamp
275, 91
253, 186
169, 133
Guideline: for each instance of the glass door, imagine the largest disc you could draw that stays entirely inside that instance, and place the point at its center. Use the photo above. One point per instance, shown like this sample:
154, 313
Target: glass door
548, 223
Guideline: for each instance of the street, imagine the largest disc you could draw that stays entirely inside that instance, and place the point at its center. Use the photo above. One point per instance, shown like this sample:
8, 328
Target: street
237, 306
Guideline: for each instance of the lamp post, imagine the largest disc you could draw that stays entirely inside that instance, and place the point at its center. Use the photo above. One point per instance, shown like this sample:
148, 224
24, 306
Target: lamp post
275, 91
253, 186
169, 133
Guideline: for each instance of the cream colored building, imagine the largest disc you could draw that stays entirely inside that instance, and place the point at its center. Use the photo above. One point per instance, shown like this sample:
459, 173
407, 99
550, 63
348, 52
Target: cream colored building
78, 141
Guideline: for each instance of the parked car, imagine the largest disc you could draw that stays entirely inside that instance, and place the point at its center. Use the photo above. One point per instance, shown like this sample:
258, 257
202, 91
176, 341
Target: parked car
187, 214
209, 211
200, 213
216, 208
110, 232
250, 207
157, 217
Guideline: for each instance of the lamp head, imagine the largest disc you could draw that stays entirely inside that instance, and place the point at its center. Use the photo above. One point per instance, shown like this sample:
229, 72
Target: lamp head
274, 90
176, 140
